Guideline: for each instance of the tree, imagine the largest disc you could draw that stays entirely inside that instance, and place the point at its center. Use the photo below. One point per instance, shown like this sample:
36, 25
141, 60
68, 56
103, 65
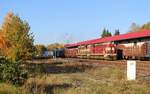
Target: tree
16, 44
146, 26
134, 28
19, 40
106, 33
40, 49
3, 43
55, 46
6, 24
116, 32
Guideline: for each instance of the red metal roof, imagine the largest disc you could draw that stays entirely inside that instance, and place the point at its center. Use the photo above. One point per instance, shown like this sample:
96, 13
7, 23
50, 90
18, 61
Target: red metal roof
71, 45
133, 35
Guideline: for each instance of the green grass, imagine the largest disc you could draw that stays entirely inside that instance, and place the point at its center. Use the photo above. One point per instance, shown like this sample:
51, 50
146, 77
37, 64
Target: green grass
76, 78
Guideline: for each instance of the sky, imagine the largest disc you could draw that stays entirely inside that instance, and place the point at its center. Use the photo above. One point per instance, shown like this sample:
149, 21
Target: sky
70, 21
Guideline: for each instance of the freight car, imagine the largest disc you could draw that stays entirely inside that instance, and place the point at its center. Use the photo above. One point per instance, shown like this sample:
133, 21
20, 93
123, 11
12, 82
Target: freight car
58, 53
44, 55
135, 50
134, 45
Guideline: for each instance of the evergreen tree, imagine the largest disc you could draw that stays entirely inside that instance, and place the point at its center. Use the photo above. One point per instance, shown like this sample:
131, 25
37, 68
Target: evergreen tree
106, 33
116, 32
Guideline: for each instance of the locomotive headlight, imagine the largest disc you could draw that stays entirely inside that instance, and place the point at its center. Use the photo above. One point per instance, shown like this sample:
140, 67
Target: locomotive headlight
113, 49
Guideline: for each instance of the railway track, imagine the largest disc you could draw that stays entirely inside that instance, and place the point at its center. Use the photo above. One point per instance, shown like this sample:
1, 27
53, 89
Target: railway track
142, 67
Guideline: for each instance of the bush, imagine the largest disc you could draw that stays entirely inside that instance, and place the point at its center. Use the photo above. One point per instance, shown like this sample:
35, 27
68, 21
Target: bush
11, 72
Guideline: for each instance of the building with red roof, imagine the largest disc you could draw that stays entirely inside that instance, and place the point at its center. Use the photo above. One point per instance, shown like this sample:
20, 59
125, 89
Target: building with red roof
128, 36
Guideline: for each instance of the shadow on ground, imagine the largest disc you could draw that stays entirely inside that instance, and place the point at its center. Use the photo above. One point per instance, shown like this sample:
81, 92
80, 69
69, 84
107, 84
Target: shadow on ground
49, 89
57, 68
46, 89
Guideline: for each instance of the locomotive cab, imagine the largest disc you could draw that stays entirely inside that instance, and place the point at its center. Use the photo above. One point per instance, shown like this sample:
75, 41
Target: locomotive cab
110, 52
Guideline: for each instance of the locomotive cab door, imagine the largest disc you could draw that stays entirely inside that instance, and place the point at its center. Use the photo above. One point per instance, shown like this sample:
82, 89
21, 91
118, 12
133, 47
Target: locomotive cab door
119, 54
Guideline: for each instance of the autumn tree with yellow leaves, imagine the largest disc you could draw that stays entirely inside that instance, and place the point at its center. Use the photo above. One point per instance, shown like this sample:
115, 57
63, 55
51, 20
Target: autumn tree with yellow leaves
18, 41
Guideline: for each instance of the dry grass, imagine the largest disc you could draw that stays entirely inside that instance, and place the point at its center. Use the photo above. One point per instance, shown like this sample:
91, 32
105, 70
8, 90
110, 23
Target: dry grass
76, 78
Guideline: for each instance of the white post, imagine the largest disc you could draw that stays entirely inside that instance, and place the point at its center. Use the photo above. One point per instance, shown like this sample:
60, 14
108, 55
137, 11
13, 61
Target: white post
131, 70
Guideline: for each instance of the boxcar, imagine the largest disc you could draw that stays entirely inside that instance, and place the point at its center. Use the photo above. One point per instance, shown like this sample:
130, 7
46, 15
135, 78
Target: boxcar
135, 50
58, 53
